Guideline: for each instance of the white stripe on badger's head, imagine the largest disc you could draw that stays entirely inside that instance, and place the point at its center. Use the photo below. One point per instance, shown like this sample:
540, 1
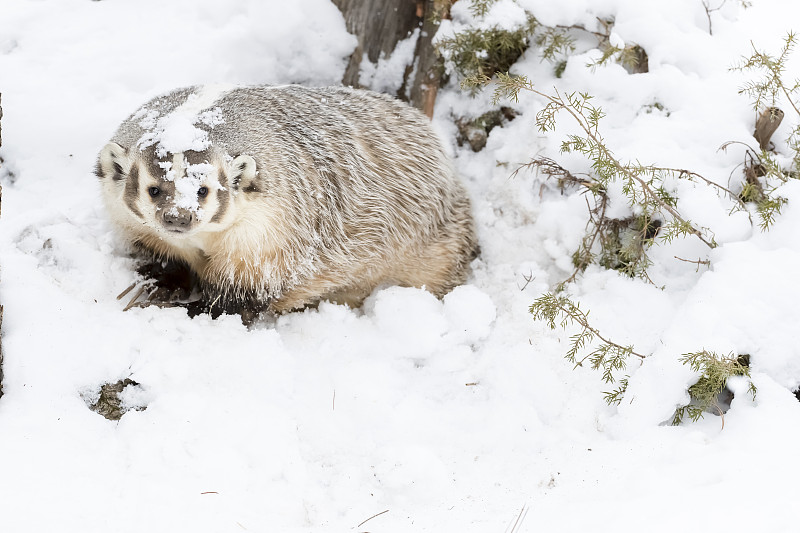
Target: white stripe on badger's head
180, 130
187, 192
204, 98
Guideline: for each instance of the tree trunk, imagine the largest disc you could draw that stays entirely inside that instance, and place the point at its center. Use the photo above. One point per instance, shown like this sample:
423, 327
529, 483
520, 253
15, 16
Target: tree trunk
379, 25
428, 78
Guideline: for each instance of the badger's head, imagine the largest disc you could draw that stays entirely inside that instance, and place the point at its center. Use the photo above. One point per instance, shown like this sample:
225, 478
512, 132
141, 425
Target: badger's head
176, 196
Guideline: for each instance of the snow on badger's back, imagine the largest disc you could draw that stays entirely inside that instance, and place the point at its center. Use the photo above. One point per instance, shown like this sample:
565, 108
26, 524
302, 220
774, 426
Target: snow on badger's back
288, 195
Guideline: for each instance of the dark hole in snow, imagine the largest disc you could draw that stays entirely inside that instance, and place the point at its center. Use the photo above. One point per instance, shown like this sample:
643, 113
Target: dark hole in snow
110, 402
724, 399
173, 280
475, 131
172, 284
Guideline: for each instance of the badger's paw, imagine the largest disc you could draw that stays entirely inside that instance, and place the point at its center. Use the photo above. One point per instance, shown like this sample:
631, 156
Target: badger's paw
163, 284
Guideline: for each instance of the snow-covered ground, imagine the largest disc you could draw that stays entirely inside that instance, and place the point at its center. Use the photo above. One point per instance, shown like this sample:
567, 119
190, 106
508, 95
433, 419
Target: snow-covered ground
458, 415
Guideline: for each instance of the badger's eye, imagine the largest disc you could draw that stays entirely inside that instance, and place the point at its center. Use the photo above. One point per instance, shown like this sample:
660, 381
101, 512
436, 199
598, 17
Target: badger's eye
154, 191
202, 192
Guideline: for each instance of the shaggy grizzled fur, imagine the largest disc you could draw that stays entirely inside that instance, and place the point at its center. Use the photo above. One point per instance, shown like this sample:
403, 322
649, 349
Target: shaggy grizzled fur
302, 194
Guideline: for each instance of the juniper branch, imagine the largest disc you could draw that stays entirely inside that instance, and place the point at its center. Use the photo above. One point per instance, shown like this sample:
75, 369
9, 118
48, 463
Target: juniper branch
593, 134
593, 145
688, 174
772, 83
549, 307
715, 370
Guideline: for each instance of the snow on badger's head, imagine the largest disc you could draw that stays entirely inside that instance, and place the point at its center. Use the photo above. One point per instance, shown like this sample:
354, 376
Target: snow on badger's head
170, 177
179, 131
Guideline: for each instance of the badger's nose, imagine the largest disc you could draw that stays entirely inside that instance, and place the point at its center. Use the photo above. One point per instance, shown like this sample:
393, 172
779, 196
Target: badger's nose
177, 221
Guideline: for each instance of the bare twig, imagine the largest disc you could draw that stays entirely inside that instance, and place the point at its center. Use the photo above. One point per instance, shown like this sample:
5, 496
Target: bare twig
371, 517
527, 279
697, 262
587, 248
601, 37
721, 415
520, 518
709, 9
688, 174
550, 168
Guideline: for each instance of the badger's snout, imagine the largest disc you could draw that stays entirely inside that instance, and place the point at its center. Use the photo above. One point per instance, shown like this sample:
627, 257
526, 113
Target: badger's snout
177, 220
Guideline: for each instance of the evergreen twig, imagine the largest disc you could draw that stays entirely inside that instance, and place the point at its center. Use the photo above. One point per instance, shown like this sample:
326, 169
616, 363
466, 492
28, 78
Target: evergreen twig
623, 242
592, 144
715, 370
607, 355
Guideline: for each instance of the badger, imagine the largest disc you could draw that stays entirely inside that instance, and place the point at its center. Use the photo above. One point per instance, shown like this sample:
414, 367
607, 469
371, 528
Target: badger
283, 196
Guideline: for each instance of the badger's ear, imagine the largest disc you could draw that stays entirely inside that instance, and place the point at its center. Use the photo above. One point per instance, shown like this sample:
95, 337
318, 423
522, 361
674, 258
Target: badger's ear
113, 162
243, 171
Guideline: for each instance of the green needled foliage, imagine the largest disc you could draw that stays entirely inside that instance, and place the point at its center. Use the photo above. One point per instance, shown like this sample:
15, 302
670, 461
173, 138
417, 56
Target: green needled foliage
588, 345
768, 92
483, 52
486, 51
480, 8
622, 243
715, 370
482, 56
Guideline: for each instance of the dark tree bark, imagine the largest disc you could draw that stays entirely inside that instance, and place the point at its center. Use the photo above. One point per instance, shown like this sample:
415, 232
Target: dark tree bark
1, 353
767, 123
428, 79
379, 25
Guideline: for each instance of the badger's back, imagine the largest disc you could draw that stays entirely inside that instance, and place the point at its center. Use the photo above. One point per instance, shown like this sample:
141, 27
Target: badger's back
352, 189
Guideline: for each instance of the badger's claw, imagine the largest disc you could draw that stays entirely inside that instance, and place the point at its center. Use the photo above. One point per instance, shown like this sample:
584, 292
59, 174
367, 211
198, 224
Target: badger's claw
136, 295
126, 291
162, 284
147, 303
159, 297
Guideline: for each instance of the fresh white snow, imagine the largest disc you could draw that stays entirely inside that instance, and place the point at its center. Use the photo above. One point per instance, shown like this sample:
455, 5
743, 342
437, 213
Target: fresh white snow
457, 415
